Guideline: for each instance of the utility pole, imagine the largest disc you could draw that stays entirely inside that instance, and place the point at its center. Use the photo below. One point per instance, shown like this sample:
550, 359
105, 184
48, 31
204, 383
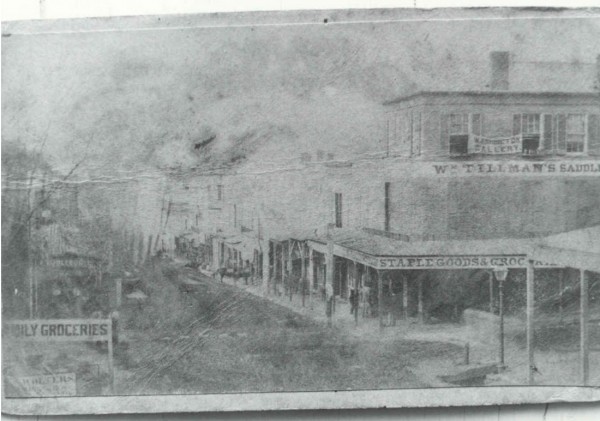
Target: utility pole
29, 245
329, 276
303, 280
355, 304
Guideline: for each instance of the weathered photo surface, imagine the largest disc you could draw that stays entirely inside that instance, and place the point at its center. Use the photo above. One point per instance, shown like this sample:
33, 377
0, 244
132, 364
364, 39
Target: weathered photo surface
301, 210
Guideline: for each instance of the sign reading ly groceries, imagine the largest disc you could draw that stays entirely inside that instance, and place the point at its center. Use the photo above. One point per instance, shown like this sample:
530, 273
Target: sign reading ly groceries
72, 330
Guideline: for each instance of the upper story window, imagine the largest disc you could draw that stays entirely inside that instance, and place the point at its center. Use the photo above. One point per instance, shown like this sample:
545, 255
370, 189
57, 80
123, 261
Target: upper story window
529, 127
532, 133
459, 134
575, 133
220, 192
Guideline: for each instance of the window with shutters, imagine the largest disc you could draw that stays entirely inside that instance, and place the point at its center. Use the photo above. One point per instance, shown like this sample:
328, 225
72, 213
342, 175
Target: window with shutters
477, 124
593, 139
529, 127
575, 133
458, 130
571, 133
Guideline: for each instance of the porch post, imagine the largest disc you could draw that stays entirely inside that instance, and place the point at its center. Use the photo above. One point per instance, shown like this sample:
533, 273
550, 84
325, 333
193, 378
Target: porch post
355, 294
379, 298
365, 299
289, 271
560, 293
265, 246
530, 304
311, 275
303, 280
501, 365
329, 278
405, 297
420, 304
585, 352
491, 282
282, 267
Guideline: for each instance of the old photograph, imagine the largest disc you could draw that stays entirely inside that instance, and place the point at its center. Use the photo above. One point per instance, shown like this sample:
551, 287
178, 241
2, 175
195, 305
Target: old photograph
291, 210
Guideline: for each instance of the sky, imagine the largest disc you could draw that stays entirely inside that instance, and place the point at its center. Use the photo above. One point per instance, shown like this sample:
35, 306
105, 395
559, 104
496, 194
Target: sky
213, 96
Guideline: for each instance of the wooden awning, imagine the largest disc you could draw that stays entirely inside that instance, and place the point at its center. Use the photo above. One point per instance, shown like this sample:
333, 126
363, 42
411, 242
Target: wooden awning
385, 253
577, 249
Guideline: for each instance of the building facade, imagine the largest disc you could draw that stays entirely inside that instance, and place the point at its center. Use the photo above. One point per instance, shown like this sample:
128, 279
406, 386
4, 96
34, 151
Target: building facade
452, 167
520, 164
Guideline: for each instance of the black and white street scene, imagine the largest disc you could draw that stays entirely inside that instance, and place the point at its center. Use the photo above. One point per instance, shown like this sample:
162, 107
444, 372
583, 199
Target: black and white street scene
306, 201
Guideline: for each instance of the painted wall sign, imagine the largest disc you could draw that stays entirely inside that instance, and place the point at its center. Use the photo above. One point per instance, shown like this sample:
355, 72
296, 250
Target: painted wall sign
72, 330
496, 146
516, 168
455, 262
434, 262
51, 385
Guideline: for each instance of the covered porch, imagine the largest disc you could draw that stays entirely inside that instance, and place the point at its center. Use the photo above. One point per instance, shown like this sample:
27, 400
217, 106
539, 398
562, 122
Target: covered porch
578, 250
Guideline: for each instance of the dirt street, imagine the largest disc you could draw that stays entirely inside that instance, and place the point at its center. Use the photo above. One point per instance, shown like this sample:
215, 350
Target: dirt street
216, 338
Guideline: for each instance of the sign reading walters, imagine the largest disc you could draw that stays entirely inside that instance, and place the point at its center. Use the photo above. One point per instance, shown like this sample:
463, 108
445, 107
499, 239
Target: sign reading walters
47, 385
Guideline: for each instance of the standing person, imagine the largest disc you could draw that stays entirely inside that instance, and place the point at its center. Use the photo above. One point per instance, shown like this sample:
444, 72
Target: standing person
329, 302
97, 314
221, 273
353, 301
372, 300
246, 272
286, 281
234, 270
114, 318
365, 293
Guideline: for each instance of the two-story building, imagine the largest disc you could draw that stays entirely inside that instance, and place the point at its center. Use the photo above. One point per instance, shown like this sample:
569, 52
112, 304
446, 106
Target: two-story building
460, 172
462, 168
520, 164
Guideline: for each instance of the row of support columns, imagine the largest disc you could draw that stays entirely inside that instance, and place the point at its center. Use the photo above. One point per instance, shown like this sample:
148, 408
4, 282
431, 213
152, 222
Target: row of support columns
583, 324
277, 260
330, 276
420, 305
584, 313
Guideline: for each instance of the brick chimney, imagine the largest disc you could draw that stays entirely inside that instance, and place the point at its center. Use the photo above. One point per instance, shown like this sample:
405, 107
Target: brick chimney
500, 67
